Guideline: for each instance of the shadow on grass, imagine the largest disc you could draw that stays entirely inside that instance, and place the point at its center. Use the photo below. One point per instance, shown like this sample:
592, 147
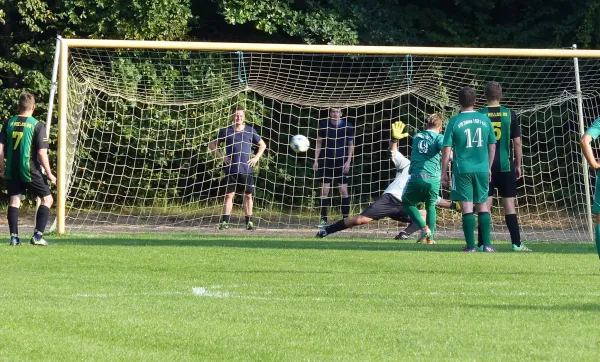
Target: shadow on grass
306, 243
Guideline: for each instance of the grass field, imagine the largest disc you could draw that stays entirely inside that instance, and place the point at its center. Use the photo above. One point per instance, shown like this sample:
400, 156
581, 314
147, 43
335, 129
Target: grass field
189, 297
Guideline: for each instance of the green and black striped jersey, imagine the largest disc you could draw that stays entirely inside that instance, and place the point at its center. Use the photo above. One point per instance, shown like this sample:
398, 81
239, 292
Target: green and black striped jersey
506, 127
22, 137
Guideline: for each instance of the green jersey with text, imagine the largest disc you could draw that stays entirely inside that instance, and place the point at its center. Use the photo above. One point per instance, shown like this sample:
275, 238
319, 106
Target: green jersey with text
469, 134
22, 138
506, 128
426, 153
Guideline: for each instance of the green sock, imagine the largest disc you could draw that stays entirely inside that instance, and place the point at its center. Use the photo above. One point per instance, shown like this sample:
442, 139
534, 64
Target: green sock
468, 221
415, 216
597, 237
485, 225
431, 218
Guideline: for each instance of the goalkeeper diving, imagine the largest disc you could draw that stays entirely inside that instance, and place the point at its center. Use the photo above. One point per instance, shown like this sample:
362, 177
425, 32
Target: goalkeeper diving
390, 203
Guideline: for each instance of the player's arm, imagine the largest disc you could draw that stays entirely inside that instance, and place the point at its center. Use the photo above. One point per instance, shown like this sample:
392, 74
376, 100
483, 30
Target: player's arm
44, 160
446, 153
586, 146
318, 147
42, 144
212, 146
2, 145
262, 146
517, 144
350, 149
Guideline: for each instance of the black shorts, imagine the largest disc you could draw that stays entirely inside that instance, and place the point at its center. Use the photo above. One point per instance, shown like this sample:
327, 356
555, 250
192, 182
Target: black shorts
332, 170
238, 182
386, 206
505, 182
37, 187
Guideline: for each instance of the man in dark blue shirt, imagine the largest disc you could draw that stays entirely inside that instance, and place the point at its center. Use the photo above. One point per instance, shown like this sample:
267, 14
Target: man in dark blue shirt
238, 164
333, 157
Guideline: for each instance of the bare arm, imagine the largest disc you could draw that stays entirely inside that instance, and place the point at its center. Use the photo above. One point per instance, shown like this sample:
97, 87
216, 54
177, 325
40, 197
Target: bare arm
2, 160
350, 154
393, 145
518, 152
318, 147
446, 153
491, 154
43, 157
262, 146
212, 146
586, 146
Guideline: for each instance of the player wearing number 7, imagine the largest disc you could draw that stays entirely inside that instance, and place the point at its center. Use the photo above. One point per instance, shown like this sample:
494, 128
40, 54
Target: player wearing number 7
505, 170
24, 145
471, 135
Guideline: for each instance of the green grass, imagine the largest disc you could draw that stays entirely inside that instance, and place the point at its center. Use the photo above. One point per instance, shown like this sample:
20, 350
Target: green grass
188, 297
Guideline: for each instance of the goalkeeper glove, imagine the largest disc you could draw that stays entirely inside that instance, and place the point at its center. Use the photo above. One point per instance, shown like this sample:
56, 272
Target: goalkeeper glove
455, 206
397, 129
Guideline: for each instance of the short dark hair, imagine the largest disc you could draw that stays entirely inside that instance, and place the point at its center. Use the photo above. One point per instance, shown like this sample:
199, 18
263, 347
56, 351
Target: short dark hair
433, 121
493, 91
237, 108
26, 102
466, 97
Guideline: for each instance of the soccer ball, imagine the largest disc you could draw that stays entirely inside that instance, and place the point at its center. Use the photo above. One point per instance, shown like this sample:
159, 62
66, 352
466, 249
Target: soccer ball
299, 143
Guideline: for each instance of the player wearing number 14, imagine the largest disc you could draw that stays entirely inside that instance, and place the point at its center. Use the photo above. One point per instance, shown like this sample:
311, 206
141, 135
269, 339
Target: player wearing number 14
471, 135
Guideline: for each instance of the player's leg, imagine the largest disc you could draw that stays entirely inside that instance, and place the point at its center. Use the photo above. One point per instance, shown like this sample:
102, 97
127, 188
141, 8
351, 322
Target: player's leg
462, 191
431, 192
480, 199
14, 192
345, 207
39, 187
325, 186
507, 189
413, 194
490, 203
596, 211
384, 206
402, 216
248, 200
229, 183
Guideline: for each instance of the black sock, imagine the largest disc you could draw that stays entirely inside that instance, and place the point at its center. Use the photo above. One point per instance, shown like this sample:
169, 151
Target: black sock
324, 207
248, 219
345, 207
334, 228
513, 228
41, 218
13, 220
479, 236
225, 218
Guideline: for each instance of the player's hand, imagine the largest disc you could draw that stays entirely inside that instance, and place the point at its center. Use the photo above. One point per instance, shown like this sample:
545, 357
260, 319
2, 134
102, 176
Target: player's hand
226, 160
346, 167
253, 161
445, 180
398, 129
489, 176
597, 165
52, 178
316, 165
518, 172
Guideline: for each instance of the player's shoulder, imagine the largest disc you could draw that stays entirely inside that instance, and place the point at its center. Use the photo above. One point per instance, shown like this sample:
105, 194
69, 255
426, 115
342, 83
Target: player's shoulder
348, 123
483, 116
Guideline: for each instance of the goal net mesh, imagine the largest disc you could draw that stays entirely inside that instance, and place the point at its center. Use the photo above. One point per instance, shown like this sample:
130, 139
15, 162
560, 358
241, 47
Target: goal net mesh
139, 124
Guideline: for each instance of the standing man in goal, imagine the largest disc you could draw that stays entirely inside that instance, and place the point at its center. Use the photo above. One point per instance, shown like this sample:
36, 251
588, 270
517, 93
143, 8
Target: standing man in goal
471, 135
24, 145
424, 183
505, 170
335, 148
389, 204
591, 134
238, 164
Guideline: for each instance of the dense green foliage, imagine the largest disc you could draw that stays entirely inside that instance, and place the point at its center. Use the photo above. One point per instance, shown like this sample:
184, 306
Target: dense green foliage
28, 29
212, 298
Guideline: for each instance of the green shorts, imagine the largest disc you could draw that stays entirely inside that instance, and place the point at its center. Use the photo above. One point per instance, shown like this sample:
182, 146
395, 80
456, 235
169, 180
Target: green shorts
472, 187
596, 204
421, 190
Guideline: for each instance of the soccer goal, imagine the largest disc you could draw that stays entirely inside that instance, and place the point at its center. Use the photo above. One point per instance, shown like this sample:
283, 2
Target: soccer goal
136, 118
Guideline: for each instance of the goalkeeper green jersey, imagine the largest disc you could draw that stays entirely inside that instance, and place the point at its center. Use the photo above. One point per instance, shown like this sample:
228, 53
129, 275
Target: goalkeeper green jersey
22, 137
506, 127
469, 134
425, 155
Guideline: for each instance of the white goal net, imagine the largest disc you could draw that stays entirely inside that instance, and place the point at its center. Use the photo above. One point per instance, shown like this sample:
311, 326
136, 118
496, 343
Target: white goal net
139, 124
